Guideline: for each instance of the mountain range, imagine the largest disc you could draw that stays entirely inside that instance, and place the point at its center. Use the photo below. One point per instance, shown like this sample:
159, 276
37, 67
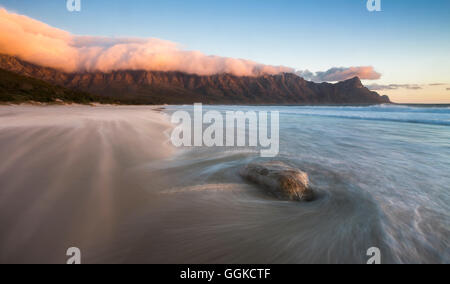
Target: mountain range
153, 87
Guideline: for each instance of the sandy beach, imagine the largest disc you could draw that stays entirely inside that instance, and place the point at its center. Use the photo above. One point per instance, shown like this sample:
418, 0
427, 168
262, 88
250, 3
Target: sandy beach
106, 179
66, 176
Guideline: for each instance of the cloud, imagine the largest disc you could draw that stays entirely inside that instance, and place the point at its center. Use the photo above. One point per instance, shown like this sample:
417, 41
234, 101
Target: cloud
437, 84
341, 74
41, 44
448, 89
377, 87
44, 45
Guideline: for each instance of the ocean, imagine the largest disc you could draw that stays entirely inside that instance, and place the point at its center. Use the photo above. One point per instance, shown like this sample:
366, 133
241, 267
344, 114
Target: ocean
381, 174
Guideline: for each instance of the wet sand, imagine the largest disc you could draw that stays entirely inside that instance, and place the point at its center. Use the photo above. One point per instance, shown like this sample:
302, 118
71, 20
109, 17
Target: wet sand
106, 180
66, 177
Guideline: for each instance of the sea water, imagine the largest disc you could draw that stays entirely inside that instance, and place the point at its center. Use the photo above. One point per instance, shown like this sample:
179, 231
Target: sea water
381, 174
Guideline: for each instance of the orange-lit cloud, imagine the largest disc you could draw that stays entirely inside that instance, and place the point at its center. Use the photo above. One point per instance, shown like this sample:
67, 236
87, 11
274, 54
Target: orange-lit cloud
41, 44
44, 45
341, 74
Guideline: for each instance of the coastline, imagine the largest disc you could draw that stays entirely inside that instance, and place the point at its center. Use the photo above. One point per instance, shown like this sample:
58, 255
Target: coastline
106, 180
162, 106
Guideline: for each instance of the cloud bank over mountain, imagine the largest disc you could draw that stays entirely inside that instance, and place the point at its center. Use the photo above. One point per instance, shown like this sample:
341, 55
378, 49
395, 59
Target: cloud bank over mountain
41, 44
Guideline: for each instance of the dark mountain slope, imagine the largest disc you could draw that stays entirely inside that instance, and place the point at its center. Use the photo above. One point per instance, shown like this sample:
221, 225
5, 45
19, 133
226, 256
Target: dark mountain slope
179, 88
15, 88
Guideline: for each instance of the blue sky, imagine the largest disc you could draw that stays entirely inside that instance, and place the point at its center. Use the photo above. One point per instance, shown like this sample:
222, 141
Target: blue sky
408, 42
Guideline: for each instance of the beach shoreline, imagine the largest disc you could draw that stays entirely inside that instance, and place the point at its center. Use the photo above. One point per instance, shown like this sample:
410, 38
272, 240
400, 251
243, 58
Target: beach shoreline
107, 180
68, 175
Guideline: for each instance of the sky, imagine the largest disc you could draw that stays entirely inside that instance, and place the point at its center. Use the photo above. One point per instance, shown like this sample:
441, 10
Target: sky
407, 43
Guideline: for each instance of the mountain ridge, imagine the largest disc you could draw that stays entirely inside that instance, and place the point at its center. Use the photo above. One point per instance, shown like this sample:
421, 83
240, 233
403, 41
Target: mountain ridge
156, 87
16, 89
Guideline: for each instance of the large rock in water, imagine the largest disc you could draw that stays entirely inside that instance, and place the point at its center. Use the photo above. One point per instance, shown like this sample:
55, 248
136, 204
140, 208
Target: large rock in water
280, 180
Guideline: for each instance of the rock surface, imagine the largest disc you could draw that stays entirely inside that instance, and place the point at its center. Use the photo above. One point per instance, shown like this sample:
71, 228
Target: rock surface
152, 87
280, 180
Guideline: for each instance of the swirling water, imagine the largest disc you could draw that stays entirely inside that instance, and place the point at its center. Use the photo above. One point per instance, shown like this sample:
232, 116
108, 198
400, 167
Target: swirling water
382, 174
